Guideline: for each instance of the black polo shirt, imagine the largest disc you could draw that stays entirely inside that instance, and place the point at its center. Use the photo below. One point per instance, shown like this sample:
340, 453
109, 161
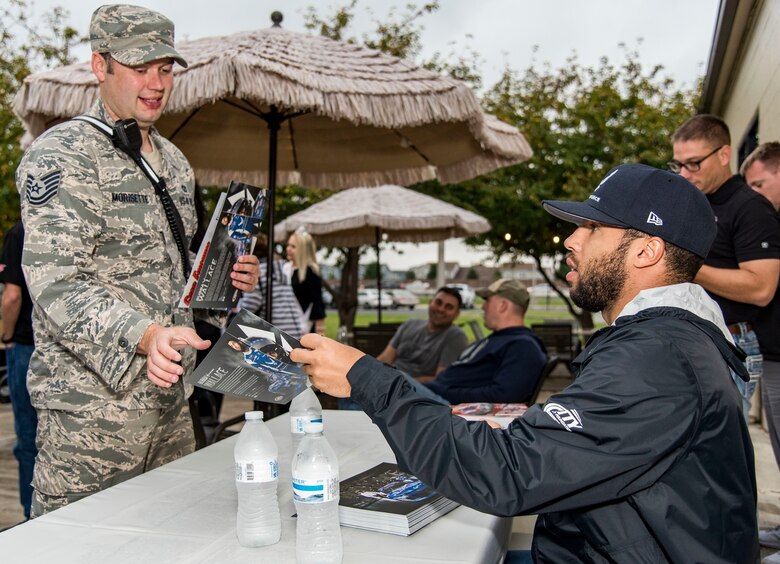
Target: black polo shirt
12, 258
767, 326
748, 229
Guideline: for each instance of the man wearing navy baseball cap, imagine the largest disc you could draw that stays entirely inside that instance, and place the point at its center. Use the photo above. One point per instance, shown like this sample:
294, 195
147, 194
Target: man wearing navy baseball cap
645, 457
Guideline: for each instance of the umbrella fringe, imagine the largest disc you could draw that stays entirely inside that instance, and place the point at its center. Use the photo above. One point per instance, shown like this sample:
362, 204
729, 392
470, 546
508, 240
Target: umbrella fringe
45, 98
349, 218
335, 180
473, 167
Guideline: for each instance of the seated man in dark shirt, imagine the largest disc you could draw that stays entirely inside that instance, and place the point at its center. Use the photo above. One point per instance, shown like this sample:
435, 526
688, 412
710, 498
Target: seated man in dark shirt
504, 366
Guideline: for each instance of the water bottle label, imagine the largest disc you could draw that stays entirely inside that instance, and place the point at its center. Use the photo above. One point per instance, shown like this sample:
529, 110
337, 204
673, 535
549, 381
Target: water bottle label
256, 470
298, 423
315, 491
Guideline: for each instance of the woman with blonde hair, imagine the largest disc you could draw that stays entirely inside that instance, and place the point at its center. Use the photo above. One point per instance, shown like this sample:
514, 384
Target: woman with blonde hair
306, 281
286, 313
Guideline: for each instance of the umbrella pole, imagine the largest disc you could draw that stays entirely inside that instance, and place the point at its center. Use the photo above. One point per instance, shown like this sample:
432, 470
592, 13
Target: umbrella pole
274, 120
378, 277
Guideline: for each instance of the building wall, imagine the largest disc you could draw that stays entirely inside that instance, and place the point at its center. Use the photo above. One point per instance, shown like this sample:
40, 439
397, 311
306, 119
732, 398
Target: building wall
755, 86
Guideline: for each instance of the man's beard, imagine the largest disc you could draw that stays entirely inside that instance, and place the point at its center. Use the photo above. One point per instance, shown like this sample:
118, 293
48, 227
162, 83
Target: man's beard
602, 280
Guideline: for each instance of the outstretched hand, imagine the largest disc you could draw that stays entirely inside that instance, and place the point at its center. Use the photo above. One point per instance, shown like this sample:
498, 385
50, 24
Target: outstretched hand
327, 362
161, 345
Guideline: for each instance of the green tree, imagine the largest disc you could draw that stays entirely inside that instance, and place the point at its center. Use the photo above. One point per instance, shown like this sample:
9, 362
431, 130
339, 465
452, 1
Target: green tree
410, 275
580, 122
432, 271
372, 271
472, 274
25, 47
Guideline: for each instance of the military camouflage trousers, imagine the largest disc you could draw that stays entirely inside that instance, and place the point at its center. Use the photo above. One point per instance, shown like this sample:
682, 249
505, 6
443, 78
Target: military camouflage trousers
82, 452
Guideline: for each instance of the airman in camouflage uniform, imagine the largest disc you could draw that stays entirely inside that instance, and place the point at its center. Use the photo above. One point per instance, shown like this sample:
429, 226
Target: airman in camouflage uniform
105, 275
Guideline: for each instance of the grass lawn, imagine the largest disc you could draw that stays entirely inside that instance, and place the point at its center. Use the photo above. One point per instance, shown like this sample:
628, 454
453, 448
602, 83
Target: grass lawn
541, 309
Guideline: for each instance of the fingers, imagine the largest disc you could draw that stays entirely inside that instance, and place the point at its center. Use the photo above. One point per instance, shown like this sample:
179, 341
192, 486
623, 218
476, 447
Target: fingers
327, 363
246, 272
161, 367
162, 353
311, 340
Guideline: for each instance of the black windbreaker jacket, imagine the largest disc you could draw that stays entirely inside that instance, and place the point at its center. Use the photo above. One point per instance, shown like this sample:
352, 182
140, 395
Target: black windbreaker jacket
645, 457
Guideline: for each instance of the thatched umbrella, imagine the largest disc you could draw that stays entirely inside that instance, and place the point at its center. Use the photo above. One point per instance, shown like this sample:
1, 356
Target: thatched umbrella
337, 114
366, 216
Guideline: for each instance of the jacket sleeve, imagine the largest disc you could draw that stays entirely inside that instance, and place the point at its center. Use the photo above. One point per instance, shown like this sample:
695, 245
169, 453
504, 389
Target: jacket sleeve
96, 326
611, 433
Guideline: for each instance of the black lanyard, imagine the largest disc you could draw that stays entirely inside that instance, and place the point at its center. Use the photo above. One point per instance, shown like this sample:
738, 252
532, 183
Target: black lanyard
171, 213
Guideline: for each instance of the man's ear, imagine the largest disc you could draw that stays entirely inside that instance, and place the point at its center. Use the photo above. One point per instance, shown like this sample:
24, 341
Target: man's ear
99, 65
724, 155
650, 253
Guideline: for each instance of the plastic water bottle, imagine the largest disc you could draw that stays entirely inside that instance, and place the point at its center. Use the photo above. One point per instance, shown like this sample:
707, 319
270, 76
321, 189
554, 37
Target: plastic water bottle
257, 522
304, 408
315, 473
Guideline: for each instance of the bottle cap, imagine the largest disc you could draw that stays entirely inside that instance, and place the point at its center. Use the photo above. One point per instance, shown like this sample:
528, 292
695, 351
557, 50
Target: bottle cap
253, 415
312, 428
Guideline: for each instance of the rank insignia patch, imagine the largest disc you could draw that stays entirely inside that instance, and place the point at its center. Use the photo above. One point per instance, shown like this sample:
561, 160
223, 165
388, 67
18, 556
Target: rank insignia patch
41, 190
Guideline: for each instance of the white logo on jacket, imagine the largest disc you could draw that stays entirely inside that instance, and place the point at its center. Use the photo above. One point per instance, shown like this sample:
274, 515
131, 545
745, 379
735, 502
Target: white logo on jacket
568, 418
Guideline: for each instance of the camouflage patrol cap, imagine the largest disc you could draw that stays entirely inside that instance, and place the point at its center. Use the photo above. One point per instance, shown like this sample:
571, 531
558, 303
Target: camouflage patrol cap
512, 290
132, 35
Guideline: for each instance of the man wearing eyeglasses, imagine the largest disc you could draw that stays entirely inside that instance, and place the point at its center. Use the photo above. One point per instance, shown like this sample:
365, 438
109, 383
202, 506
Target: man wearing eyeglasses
742, 268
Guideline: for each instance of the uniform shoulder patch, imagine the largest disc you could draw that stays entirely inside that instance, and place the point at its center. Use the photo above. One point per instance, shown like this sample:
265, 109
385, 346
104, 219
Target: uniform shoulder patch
39, 190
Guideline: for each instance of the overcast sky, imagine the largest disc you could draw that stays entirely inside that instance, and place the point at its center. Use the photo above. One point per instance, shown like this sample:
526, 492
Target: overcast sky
673, 33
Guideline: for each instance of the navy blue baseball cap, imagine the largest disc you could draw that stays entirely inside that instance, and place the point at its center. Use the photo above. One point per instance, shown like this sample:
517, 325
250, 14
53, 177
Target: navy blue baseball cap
651, 200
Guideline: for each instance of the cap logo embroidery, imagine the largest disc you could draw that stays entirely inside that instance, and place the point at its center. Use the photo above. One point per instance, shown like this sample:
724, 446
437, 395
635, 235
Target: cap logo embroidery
567, 418
607, 177
654, 219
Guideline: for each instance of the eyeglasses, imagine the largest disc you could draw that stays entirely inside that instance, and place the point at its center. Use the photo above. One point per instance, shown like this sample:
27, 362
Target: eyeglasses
692, 165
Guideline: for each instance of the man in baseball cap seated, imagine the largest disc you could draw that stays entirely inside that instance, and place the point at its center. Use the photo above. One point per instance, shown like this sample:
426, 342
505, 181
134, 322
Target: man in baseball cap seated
505, 365
646, 456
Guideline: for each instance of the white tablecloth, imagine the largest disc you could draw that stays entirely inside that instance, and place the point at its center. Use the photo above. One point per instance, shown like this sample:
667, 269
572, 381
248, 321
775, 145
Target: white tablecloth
185, 512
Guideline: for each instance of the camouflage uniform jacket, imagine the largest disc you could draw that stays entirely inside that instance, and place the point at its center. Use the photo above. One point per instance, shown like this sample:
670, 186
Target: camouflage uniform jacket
101, 264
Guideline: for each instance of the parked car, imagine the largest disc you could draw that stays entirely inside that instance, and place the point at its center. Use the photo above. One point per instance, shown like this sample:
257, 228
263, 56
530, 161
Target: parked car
403, 298
466, 294
369, 298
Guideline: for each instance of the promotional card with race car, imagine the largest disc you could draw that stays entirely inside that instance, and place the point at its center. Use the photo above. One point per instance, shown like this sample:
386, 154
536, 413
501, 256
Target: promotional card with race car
252, 360
232, 231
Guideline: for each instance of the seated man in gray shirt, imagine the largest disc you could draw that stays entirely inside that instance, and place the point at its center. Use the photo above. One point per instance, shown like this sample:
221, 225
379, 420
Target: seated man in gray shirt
423, 348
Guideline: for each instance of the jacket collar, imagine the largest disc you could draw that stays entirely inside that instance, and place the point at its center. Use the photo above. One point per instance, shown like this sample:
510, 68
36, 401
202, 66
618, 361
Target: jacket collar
686, 302
689, 297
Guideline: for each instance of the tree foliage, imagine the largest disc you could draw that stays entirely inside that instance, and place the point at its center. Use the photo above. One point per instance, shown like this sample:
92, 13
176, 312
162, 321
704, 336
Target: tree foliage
372, 271
580, 122
25, 47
